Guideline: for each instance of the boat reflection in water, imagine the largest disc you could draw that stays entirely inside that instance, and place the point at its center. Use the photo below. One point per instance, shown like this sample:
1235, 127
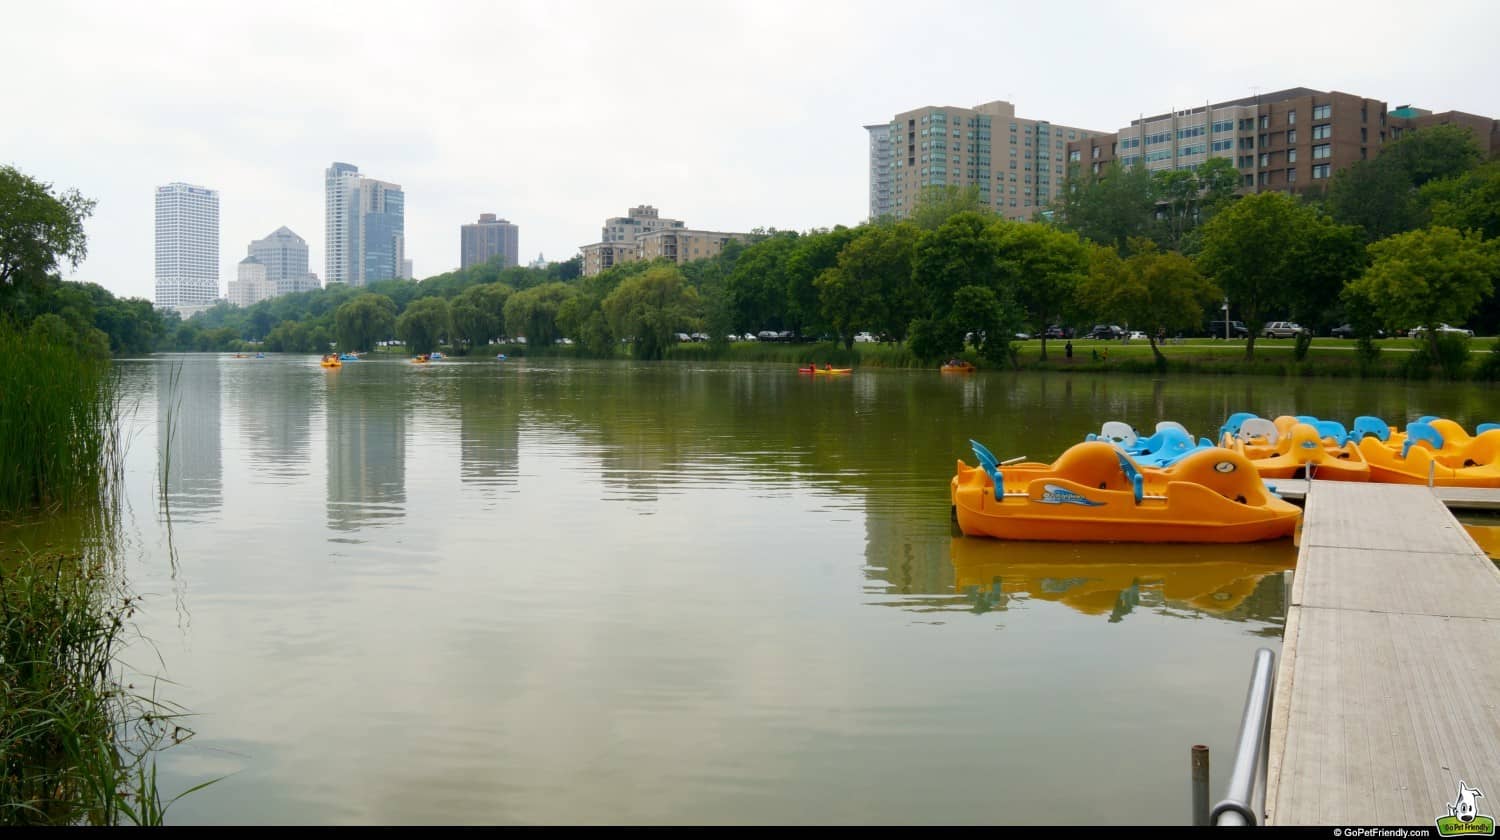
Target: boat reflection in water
1114, 578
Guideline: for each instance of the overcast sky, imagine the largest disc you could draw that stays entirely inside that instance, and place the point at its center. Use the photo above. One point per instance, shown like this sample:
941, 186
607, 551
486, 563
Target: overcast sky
556, 115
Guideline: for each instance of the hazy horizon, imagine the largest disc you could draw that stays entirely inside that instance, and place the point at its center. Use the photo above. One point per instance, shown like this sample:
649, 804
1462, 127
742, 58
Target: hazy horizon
558, 115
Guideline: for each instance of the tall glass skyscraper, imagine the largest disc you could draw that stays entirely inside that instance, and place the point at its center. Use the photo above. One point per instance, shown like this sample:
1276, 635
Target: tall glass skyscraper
365, 223
187, 247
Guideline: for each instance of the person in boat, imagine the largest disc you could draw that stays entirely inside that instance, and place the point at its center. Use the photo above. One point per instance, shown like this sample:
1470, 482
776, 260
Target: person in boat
827, 366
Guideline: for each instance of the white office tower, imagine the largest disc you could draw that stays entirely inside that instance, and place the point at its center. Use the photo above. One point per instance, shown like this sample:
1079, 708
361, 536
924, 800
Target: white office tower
187, 247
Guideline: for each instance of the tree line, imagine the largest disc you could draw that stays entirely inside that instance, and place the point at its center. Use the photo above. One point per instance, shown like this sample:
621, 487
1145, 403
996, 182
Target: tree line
1404, 240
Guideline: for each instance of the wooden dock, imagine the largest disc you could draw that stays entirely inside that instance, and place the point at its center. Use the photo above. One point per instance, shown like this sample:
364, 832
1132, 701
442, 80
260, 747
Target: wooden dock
1388, 690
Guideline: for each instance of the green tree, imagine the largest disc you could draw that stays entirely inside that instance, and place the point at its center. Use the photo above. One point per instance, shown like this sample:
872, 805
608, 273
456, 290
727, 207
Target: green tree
938, 203
1426, 278
1109, 207
1261, 250
479, 313
1042, 266
364, 321
989, 319
1186, 198
814, 253
533, 313
1468, 202
38, 230
1152, 290
424, 324
651, 308
757, 285
873, 287
1434, 152
1375, 196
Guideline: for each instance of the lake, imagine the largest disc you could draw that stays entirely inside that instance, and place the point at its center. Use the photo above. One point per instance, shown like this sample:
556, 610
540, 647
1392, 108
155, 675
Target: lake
545, 591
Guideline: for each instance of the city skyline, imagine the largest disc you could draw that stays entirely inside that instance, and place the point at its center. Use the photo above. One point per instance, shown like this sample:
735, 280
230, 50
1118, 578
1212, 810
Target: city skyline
768, 133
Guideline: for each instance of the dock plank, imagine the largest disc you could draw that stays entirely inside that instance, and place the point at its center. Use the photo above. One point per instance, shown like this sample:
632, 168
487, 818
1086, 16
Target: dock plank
1388, 692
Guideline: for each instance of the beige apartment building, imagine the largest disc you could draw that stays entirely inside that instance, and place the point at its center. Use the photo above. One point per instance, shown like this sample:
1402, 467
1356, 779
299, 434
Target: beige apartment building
682, 245
1018, 164
644, 234
1290, 140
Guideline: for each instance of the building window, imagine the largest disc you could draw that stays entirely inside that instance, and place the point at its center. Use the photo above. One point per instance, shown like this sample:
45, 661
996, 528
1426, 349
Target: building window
1322, 112
1291, 136
1265, 120
1363, 135
1291, 176
1364, 114
1096, 153
1322, 132
1265, 159
1321, 151
1291, 117
1249, 180
1291, 155
1265, 178
1320, 171
1075, 156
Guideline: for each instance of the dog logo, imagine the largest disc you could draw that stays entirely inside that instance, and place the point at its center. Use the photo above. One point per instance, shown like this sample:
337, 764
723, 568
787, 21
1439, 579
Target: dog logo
1464, 819
1054, 495
1224, 466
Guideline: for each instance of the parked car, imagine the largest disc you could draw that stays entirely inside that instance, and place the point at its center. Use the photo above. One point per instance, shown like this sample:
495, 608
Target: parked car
1106, 331
1237, 329
864, 338
1136, 335
1282, 329
1418, 332
1056, 331
1348, 331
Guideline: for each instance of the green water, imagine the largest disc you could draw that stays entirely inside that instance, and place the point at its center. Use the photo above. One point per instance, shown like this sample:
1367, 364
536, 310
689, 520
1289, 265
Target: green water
541, 591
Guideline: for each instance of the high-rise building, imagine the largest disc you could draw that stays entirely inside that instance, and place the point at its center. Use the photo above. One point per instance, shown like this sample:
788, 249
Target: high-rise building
187, 247
880, 170
488, 238
1016, 163
365, 227
407, 270
251, 284
1290, 140
284, 254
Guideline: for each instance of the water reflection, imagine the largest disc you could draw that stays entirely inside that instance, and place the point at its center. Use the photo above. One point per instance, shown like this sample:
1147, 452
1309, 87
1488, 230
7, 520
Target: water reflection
188, 442
273, 405
489, 433
1114, 580
366, 428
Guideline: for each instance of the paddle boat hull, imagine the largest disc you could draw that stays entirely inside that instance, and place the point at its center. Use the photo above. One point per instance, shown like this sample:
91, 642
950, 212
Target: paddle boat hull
1211, 496
966, 367
1475, 465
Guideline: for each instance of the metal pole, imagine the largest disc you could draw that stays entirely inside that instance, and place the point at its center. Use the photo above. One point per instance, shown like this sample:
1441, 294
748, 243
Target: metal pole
1200, 784
1240, 805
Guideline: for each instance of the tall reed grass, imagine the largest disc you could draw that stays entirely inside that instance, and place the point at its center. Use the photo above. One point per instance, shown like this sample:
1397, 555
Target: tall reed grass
59, 439
76, 747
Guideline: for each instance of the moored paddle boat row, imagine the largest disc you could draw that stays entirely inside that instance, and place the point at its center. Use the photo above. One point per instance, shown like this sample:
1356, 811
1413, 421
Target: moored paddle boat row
1094, 492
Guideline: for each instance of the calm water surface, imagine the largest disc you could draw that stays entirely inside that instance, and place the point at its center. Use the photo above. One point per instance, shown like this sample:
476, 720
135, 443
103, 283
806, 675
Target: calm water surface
543, 591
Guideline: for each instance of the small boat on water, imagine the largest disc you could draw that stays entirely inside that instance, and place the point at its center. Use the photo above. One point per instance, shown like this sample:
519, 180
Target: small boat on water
331, 361
420, 360
956, 366
1094, 492
436, 356
823, 371
348, 357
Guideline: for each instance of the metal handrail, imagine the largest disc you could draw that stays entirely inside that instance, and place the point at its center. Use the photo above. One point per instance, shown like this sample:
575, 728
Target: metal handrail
1244, 801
